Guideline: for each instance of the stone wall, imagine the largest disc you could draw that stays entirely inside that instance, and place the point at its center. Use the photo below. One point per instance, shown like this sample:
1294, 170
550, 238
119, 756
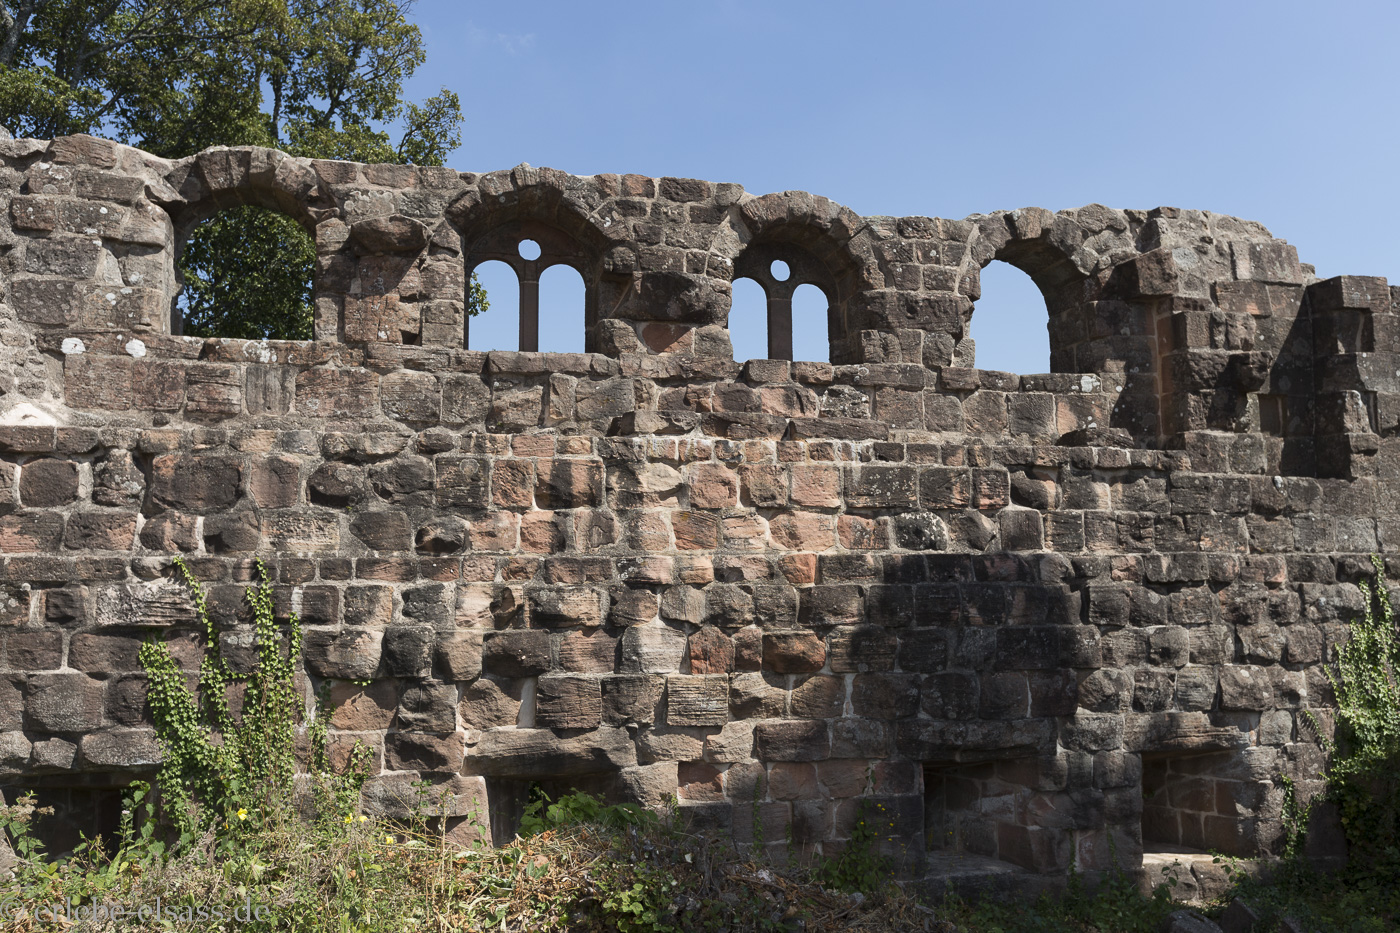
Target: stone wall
989, 603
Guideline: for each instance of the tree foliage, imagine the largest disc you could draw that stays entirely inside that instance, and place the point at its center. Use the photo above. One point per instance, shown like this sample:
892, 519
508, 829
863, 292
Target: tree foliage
317, 78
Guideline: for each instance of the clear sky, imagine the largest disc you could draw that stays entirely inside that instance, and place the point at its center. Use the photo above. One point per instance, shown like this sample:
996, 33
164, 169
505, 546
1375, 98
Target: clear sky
1280, 112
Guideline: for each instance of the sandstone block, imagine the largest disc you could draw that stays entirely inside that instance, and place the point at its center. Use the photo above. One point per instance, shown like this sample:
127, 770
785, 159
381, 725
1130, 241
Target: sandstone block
120, 749
487, 703
516, 652
46, 484
710, 651
420, 751
459, 655
539, 753
350, 654
569, 484
818, 697
63, 703
632, 698
587, 652
200, 484
363, 709
793, 652
793, 741
652, 649
697, 700
568, 702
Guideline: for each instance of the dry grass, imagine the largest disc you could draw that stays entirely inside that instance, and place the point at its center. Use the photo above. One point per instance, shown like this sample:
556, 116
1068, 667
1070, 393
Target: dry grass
367, 876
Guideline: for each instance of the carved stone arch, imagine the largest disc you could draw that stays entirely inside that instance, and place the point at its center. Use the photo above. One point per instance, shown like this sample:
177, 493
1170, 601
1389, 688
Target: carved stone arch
249, 175
1095, 325
223, 178
817, 238
553, 210
1026, 239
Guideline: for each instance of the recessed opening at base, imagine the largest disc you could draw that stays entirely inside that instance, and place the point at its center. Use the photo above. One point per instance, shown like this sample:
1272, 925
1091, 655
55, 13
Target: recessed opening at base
66, 815
991, 810
507, 798
1196, 801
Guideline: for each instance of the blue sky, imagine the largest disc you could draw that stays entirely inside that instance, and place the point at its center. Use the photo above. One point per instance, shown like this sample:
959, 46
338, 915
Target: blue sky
1280, 112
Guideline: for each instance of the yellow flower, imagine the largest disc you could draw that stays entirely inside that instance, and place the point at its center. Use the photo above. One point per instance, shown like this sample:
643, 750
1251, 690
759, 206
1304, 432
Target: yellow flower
242, 813
363, 817
389, 839
349, 818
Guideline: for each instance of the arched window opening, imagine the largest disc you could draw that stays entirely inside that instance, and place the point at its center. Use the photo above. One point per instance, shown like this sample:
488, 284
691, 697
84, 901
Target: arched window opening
497, 326
1010, 324
748, 320
247, 272
809, 325
529, 248
561, 310
797, 285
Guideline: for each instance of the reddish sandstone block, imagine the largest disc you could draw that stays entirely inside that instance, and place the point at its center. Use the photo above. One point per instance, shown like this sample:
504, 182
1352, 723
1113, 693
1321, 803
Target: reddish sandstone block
587, 652
792, 780
799, 569
569, 484
713, 486
697, 780
422, 751
764, 485
990, 489
275, 482
213, 390
513, 484
818, 697
97, 381
817, 487
797, 740
842, 778
30, 532
793, 652
696, 531
858, 533
746, 531
632, 606
802, 531
379, 319
410, 396
363, 709
158, 385
945, 488
569, 702
337, 393
100, 531
648, 531
540, 533
711, 651
498, 531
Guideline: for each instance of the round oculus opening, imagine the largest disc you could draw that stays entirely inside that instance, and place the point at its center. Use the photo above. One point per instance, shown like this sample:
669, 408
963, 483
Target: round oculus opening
779, 270
529, 250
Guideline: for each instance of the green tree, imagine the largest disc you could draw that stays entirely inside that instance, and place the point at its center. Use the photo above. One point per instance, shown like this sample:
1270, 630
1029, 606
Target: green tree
313, 77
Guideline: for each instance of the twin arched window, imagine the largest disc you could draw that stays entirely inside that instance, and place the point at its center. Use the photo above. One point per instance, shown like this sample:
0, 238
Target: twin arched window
529, 306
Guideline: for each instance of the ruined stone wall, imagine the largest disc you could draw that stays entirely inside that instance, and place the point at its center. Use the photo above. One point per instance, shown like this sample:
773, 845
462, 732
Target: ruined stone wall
1006, 608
